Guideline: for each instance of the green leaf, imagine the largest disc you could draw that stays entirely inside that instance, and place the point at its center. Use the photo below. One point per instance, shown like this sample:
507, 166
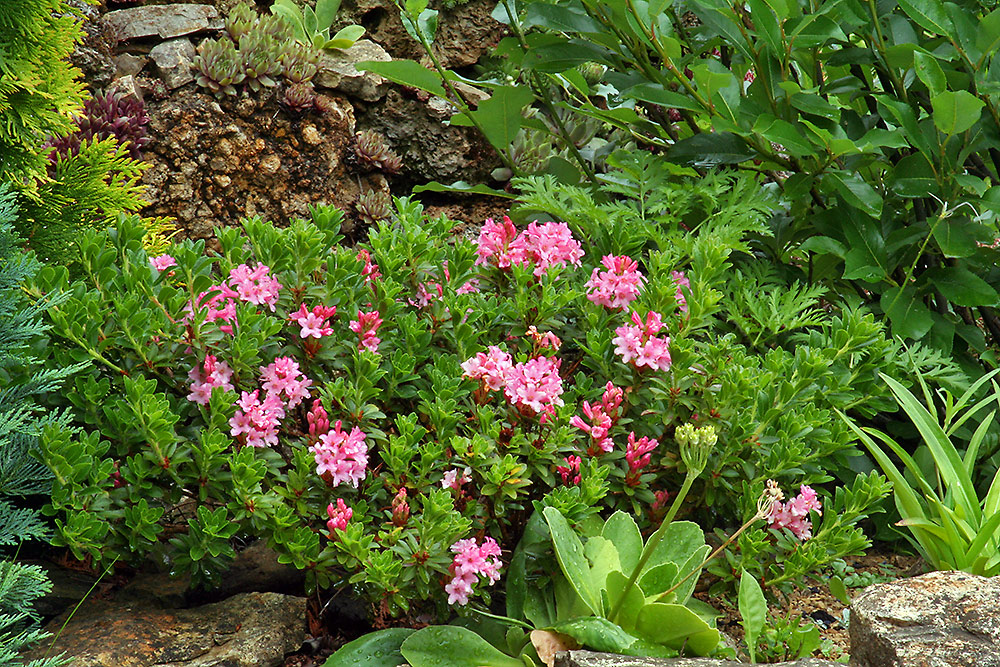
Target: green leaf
929, 15
405, 72
856, 192
839, 590
501, 115
326, 12
784, 133
572, 562
635, 600
961, 286
426, 23
452, 646
909, 315
376, 649
956, 111
767, 26
930, 72
622, 530
710, 149
675, 625
561, 18
603, 557
959, 237
753, 611
598, 634
462, 187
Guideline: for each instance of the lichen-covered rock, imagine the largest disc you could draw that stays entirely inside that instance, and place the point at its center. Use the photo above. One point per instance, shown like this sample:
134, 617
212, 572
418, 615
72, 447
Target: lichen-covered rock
163, 21
337, 71
174, 60
246, 630
941, 619
216, 161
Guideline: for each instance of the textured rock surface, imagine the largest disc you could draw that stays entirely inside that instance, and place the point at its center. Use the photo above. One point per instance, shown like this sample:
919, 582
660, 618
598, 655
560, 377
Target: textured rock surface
216, 161
247, 630
173, 60
164, 21
589, 659
337, 71
941, 619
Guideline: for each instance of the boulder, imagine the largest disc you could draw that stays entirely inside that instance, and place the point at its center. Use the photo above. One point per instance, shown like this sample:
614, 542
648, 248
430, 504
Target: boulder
174, 60
337, 71
941, 619
590, 659
163, 21
247, 630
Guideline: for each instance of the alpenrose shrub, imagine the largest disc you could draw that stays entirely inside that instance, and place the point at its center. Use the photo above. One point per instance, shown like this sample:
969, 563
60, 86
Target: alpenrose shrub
386, 417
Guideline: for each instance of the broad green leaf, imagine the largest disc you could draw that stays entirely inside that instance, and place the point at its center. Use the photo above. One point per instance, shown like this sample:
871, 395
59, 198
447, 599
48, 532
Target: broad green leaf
675, 625
657, 94
603, 557
909, 315
856, 192
929, 15
784, 133
350, 33
633, 603
405, 72
452, 646
572, 562
463, 188
959, 236
961, 286
956, 111
500, 116
767, 26
753, 611
426, 25
657, 580
824, 245
376, 649
710, 149
680, 540
988, 36
326, 12
930, 72
561, 18
622, 530
598, 634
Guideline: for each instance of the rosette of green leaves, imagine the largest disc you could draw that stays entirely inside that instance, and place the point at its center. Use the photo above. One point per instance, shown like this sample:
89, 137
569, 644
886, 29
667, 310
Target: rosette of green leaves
299, 62
219, 65
261, 56
312, 26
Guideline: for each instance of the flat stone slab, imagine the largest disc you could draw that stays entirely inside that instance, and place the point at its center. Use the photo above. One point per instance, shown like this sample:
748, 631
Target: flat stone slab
590, 659
174, 59
337, 71
163, 21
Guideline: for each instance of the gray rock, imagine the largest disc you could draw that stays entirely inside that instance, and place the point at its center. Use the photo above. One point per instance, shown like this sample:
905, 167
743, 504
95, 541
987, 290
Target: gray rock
589, 659
128, 86
941, 619
337, 71
127, 64
174, 60
247, 630
164, 21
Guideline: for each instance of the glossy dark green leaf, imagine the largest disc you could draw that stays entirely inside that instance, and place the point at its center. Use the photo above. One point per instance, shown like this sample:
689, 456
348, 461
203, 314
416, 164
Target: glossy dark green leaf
928, 14
500, 116
961, 286
405, 72
562, 18
710, 150
956, 111
376, 649
572, 562
856, 192
452, 646
929, 71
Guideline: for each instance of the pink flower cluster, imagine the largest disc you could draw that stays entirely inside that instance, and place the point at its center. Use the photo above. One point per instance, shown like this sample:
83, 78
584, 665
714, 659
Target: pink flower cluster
638, 342
220, 306
493, 367
257, 420
283, 377
682, 281
339, 516
213, 373
536, 384
472, 560
543, 341
619, 285
794, 515
365, 326
162, 262
318, 420
602, 417
546, 245
342, 455
370, 270
313, 323
255, 286
638, 455
570, 472
454, 479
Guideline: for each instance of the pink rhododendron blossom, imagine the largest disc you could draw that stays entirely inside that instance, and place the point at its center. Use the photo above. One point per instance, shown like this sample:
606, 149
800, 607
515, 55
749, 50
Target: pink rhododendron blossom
494, 244
400, 508
535, 384
570, 472
472, 561
370, 270
283, 377
637, 455
637, 343
339, 515
365, 326
255, 285
342, 455
543, 341
547, 245
660, 499
318, 420
619, 285
212, 373
257, 422
221, 306
454, 479
794, 515
602, 417
313, 323
470, 287
682, 281
427, 293
492, 367
162, 262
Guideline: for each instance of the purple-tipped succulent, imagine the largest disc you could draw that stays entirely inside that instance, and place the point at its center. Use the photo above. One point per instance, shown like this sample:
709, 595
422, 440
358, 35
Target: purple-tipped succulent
261, 57
220, 66
373, 206
372, 150
106, 115
299, 97
240, 21
299, 62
